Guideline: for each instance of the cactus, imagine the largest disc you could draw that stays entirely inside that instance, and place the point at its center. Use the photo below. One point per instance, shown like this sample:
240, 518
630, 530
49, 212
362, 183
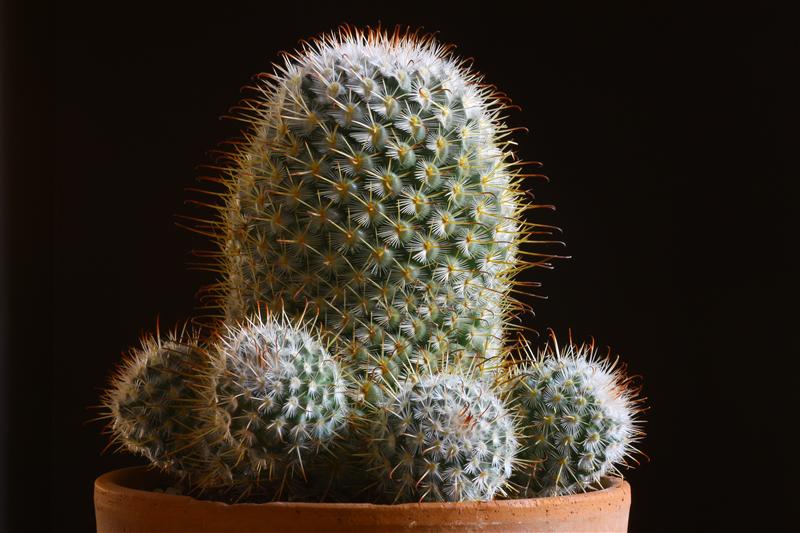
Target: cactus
280, 402
376, 189
579, 414
442, 437
157, 400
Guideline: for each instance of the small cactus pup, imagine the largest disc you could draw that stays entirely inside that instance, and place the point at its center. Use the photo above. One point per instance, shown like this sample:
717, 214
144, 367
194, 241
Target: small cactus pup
281, 401
443, 437
579, 417
158, 399
376, 186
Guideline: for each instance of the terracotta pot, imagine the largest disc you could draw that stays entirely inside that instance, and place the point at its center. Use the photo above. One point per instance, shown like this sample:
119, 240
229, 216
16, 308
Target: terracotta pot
124, 503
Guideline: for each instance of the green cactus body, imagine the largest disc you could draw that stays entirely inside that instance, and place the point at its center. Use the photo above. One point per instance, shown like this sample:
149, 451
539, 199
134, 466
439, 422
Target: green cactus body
376, 189
158, 400
579, 418
442, 437
281, 401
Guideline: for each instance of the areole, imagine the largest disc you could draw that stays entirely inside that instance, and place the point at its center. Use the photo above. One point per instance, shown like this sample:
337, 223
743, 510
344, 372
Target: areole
124, 502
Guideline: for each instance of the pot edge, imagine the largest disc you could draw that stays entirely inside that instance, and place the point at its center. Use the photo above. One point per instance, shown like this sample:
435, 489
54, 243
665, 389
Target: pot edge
114, 482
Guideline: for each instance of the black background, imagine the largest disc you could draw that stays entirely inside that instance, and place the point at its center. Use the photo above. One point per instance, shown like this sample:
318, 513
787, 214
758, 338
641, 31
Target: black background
658, 129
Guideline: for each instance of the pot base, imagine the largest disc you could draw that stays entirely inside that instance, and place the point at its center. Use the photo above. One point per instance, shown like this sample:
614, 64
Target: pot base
124, 503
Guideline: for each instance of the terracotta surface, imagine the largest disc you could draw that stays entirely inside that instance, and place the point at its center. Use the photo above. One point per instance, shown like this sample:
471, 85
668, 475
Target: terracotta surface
122, 506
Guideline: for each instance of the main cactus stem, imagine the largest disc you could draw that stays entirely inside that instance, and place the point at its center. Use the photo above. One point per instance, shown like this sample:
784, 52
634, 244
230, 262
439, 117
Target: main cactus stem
376, 189
368, 236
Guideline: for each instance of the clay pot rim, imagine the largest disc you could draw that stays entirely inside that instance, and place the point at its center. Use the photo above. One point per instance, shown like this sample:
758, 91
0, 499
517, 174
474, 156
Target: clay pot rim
115, 482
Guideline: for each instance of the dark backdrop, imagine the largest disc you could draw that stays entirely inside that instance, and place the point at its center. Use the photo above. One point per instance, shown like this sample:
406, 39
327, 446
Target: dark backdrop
658, 129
